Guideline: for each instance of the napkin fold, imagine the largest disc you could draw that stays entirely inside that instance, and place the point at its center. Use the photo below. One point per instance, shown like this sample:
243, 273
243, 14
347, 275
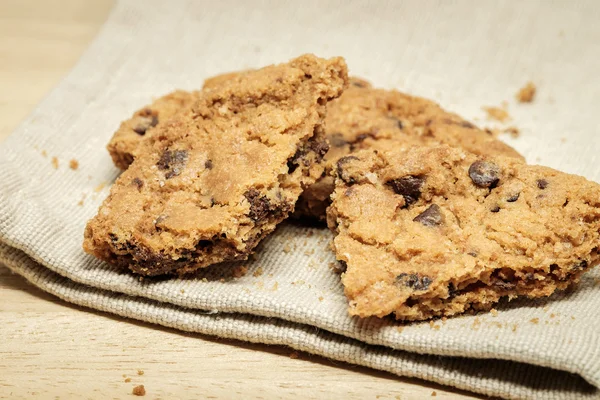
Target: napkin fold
529, 349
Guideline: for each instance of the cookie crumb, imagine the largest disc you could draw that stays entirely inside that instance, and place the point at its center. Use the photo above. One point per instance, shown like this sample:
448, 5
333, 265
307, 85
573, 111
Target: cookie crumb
572, 317
204, 280
127, 380
434, 393
321, 298
535, 321
73, 164
140, 372
275, 286
527, 93
44, 153
400, 329
494, 312
55, 162
513, 131
139, 390
514, 327
258, 272
496, 113
99, 188
287, 248
182, 291
294, 355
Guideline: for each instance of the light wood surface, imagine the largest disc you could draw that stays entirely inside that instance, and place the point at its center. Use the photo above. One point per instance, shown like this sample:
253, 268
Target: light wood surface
53, 350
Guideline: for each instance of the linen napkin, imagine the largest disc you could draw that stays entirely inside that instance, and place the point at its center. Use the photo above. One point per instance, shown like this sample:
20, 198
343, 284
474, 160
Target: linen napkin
463, 54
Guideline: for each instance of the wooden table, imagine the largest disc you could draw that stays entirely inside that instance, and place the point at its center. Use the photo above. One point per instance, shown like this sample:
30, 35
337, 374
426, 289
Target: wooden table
51, 349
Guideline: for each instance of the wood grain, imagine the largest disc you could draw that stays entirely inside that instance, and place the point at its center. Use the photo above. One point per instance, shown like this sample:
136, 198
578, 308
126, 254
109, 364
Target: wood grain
54, 350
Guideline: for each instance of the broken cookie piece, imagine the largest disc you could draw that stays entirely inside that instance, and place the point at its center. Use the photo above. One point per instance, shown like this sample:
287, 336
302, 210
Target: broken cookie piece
122, 146
210, 183
368, 118
437, 231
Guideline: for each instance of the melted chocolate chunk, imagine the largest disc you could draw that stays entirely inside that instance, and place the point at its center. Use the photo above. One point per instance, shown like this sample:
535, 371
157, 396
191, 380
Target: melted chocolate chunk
408, 187
173, 162
138, 183
414, 281
431, 217
484, 174
513, 198
495, 209
208, 164
260, 206
343, 175
318, 147
542, 184
467, 124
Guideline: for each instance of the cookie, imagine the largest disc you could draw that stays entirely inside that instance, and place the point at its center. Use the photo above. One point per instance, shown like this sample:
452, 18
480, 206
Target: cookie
436, 231
126, 139
207, 185
368, 118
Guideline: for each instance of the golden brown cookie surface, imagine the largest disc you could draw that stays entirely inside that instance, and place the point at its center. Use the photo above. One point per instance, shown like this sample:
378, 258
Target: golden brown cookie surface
368, 118
126, 139
207, 185
437, 231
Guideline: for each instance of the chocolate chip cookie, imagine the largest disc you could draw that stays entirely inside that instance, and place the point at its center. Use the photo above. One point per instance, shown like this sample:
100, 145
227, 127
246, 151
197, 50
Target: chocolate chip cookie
208, 184
437, 231
368, 118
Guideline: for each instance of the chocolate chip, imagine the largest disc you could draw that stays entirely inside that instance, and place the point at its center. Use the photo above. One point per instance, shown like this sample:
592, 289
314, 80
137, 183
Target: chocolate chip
343, 175
340, 266
359, 84
138, 182
208, 164
542, 184
259, 204
513, 198
140, 129
472, 253
172, 161
467, 124
414, 281
362, 137
144, 124
484, 173
314, 146
431, 217
408, 187
400, 124
337, 140
495, 209
319, 147
529, 277
452, 290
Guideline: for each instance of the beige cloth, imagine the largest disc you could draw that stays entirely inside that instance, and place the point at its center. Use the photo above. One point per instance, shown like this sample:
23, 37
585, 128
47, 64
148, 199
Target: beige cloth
464, 54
